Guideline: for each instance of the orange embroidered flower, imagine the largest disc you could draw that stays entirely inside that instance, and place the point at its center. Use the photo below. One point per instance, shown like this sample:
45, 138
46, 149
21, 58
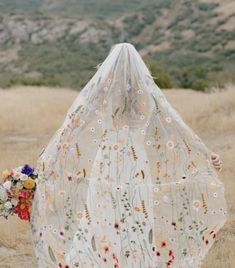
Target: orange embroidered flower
115, 147
170, 144
196, 204
168, 119
75, 121
173, 136
106, 249
79, 215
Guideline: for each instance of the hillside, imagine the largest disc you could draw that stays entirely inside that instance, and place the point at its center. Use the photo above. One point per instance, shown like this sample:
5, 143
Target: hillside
30, 115
58, 42
74, 8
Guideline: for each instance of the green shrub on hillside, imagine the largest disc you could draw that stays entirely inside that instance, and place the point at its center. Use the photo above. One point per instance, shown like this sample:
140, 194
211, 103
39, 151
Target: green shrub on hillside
195, 78
207, 6
149, 14
133, 25
161, 77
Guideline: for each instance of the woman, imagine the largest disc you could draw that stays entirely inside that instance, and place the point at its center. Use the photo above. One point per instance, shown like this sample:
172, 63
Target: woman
125, 182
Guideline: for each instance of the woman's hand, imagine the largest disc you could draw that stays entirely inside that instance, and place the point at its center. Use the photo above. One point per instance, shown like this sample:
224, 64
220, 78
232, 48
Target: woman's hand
215, 158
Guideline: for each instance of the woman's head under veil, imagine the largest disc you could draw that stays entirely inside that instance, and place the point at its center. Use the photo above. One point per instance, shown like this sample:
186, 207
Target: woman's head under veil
125, 181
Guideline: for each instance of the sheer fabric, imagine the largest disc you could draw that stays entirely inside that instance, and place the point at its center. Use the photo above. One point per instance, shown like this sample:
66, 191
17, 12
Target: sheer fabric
125, 182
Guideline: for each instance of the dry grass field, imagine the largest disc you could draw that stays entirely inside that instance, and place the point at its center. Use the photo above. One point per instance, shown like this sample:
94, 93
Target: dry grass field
30, 115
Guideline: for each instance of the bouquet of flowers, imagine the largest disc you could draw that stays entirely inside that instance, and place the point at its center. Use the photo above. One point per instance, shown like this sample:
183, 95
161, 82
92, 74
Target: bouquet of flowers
17, 192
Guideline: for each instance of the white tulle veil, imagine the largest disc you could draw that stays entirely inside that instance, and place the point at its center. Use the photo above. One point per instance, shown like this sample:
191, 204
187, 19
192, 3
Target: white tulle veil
125, 167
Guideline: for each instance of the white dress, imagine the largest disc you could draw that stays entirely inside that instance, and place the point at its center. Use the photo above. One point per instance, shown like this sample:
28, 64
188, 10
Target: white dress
125, 182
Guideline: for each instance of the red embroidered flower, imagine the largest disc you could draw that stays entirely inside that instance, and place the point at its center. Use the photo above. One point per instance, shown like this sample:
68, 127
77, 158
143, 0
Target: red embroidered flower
116, 226
61, 266
115, 257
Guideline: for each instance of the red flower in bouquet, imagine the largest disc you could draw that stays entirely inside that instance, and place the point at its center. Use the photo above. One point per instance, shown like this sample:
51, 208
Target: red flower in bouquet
24, 207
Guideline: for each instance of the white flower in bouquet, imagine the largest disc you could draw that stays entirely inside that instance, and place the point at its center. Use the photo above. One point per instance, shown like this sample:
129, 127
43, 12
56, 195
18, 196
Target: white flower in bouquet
3, 194
14, 202
8, 205
23, 177
19, 185
7, 185
17, 172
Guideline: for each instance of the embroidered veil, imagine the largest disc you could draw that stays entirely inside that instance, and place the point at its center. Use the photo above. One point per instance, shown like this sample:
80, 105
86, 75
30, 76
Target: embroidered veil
124, 182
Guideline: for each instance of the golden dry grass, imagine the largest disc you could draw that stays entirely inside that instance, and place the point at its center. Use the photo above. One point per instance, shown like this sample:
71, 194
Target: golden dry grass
29, 116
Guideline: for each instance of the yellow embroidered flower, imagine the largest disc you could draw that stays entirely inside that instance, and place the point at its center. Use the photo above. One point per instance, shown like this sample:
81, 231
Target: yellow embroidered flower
60, 256
29, 184
75, 121
61, 193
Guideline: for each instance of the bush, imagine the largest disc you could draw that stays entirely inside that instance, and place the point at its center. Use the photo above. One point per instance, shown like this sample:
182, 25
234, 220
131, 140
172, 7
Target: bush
185, 80
161, 77
207, 6
149, 15
134, 25
195, 78
200, 85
